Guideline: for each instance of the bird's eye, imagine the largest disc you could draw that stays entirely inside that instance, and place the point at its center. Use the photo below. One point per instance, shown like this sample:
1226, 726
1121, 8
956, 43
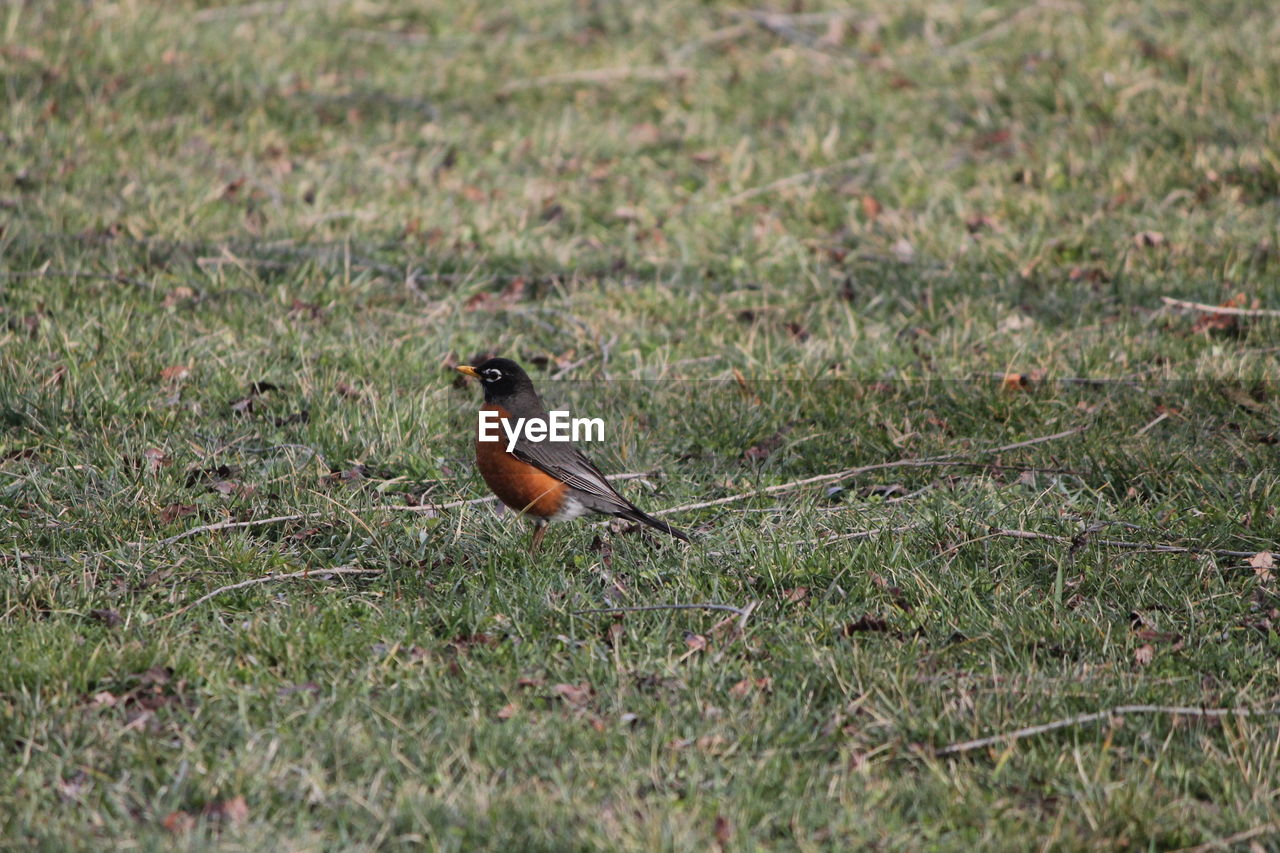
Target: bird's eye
493, 374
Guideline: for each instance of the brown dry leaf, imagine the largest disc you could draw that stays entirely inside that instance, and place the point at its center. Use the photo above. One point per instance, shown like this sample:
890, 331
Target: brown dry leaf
711, 743
574, 695
1147, 635
797, 331
179, 823
175, 373
745, 386
1263, 562
178, 295
1021, 381
695, 642
866, 624
107, 616
724, 827
507, 711
233, 811
1148, 239
763, 450
104, 698
1144, 654
156, 459
1216, 322
747, 686
796, 595
871, 207
646, 133
628, 213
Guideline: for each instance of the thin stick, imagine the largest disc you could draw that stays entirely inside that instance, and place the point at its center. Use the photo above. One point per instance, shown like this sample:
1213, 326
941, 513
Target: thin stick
879, 466
1219, 309
861, 534
790, 180
1093, 717
600, 77
1120, 543
1009, 23
744, 612
1232, 840
227, 525
305, 574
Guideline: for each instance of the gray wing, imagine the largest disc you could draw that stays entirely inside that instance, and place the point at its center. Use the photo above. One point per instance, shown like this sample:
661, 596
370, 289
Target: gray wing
566, 463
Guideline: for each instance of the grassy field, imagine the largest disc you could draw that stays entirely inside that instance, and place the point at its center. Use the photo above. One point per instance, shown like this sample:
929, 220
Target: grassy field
241, 245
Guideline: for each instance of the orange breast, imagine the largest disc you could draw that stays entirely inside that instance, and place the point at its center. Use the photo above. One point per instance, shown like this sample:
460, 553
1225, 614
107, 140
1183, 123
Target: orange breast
517, 484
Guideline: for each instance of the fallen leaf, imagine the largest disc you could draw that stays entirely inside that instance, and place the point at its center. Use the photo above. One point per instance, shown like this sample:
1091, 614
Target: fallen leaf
1263, 562
871, 207
1144, 654
178, 295
724, 827
177, 511
866, 623
507, 711
574, 695
747, 686
110, 618
1147, 239
797, 331
695, 642
156, 459
796, 595
176, 373
1021, 381
179, 822
104, 698
1218, 322
232, 811
763, 450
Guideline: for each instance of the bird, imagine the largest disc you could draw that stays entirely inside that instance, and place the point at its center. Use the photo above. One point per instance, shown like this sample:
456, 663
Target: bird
544, 480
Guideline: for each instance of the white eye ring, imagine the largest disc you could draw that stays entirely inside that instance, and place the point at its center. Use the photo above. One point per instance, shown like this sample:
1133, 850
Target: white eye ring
493, 374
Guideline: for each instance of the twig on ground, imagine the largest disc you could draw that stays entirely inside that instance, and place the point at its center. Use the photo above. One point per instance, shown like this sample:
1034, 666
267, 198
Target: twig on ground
75, 274
1219, 309
790, 180
600, 77
227, 525
712, 38
306, 574
1120, 543
1094, 716
743, 612
1010, 22
860, 534
1232, 840
863, 469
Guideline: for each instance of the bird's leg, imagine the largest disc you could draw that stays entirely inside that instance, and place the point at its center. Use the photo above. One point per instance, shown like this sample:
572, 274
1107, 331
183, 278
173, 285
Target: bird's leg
539, 531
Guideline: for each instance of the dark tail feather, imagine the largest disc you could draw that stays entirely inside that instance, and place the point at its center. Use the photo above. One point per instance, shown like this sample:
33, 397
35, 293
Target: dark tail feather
637, 515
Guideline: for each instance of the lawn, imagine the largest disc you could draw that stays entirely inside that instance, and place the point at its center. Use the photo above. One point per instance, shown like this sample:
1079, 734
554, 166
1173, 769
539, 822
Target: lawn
873, 300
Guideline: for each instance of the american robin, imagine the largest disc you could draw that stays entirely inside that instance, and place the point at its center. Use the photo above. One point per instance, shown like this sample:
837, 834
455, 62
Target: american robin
546, 480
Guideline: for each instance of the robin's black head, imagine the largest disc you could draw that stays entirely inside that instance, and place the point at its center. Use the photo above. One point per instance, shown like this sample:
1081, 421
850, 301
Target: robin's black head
501, 378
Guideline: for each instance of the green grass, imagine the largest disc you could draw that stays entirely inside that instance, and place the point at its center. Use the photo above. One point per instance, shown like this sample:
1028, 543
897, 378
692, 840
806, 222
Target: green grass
336, 197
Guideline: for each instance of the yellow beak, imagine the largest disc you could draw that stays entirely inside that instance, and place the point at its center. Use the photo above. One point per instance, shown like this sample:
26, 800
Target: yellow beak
467, 370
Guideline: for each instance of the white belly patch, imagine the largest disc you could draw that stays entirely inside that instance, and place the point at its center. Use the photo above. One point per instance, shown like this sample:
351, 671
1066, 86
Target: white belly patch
572, 508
